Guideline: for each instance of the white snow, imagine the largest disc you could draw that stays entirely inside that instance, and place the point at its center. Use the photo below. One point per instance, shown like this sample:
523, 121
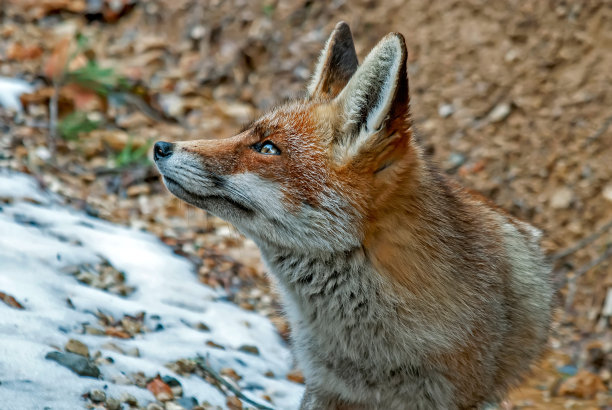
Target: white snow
38, 240
10, 90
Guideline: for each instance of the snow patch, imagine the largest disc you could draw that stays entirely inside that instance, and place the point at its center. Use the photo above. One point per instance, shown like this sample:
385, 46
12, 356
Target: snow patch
38, 240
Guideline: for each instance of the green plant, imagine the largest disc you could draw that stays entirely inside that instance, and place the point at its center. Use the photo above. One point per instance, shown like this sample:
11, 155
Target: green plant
131, 155
74, 123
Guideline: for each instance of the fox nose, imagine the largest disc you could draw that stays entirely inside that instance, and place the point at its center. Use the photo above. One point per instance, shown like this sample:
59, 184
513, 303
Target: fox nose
162, 149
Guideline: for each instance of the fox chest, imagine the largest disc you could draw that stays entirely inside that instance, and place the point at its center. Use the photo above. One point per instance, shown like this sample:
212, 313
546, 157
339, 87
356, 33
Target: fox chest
342, 329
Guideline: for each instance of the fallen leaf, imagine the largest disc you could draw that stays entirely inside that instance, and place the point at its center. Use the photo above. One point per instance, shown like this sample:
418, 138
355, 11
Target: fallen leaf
160, 390
584, 385
11, 301
296, 376
114, 332
19, 52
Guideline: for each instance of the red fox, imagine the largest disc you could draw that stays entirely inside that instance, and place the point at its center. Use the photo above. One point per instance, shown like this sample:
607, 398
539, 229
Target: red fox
403, 289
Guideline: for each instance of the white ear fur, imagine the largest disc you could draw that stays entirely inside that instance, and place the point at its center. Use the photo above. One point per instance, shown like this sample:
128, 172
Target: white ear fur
368, 96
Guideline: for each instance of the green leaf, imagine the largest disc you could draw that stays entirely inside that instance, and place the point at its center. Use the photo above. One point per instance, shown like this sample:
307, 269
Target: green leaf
75, 123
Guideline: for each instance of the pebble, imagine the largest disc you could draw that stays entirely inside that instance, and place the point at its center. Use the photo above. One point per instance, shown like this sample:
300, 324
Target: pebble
446, 110
97, 396
154, 406
113, 404
500, 112
173, 406
129, 399
78, 364
562, 198
77, 347
187, 402
134, 352
607, 192
249, 349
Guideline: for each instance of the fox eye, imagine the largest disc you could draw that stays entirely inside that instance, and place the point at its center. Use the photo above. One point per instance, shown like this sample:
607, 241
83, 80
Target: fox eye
266, 148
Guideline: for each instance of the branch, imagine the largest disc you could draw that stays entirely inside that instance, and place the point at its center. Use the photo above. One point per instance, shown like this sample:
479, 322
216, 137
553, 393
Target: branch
581, 243
200, 361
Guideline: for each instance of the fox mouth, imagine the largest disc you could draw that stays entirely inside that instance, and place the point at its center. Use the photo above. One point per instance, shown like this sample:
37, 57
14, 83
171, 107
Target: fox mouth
212, 202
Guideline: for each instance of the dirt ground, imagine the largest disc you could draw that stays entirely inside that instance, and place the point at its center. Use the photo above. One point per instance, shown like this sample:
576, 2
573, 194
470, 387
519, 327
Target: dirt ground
511, 97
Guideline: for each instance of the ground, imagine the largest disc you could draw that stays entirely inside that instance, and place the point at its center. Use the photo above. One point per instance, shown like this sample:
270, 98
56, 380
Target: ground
512, 98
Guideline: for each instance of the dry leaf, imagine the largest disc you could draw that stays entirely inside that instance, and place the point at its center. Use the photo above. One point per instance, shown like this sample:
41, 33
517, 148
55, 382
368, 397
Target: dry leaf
19, 52
11, 301
584, 385
160, 390
56, 64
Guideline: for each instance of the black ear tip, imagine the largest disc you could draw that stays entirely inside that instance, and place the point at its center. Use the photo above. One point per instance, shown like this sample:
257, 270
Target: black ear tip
342, 26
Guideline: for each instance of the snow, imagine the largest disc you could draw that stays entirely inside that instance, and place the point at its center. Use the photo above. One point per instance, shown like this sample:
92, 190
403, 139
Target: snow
39, 238
10, 90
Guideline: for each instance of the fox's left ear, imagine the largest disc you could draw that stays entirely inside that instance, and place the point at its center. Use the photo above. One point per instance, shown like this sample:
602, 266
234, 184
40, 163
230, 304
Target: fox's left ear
375, 105
337, 63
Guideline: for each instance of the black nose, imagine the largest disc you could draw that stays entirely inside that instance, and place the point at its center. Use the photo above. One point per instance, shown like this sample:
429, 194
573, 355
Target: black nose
162, 149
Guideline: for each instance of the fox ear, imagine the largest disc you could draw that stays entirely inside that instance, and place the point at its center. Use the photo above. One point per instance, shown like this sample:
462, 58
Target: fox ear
336, 64
376, 97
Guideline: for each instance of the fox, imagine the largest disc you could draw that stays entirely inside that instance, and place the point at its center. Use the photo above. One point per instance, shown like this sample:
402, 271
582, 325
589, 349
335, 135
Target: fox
403, 289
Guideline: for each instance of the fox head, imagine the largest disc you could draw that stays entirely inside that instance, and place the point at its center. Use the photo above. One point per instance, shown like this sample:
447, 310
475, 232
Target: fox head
309, 174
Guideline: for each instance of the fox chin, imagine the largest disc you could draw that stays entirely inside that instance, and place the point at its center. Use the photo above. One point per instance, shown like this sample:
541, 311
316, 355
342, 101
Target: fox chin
404, 290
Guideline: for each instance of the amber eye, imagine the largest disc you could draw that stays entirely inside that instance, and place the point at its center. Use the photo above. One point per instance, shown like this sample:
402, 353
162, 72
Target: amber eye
266, 148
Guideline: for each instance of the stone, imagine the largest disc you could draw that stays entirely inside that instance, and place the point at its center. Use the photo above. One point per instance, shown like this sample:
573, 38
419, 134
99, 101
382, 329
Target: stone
249, 349
77, 347
78, 364
562, 198
97, 396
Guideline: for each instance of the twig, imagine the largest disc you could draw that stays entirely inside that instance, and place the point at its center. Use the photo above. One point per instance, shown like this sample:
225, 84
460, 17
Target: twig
581, 243
200, 361
581, 271
53, 102
607, 122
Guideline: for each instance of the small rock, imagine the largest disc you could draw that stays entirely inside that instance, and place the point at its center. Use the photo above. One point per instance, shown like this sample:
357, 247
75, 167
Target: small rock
173, 406
454, 162
446, 110
91, 330
197, 32
97, 396
500, 112
154, 406
607, 309
129, 399
187, 402
78, 364
249, 349
607, 192
203, 327
562, 198
213, 344
175, 385
134, 352
112, 404
77, 347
